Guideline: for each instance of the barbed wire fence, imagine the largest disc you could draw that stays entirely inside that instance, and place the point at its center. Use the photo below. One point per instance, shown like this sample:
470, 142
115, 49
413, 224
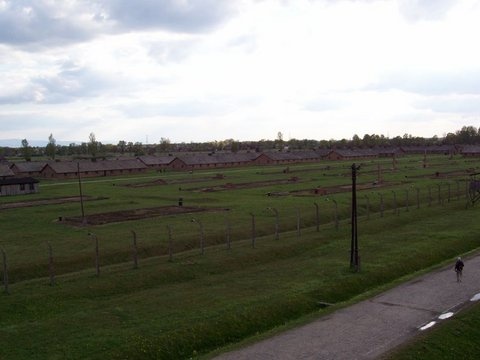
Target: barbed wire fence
270, 221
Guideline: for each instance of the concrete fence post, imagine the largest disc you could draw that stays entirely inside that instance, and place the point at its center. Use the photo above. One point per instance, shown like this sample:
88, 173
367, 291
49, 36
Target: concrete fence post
5, 273
97, 256
51, 270
298, 223
317, 217
170, 244
253, 229
135, 250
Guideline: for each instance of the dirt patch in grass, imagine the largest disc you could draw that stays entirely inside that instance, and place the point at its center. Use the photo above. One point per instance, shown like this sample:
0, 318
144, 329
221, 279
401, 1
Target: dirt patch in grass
340, 189
38, 202
247, 185
133, 214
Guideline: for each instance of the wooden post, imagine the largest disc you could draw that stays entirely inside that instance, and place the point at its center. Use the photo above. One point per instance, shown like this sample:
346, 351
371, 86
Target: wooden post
418, 198
135, 250
51, 269
5, 273
317, 217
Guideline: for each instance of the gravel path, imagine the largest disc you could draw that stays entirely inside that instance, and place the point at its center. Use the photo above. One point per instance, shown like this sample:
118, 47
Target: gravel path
372, 327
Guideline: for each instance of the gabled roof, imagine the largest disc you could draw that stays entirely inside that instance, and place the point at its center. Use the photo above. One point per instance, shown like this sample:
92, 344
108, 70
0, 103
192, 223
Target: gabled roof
355, 152
5, 171
151, 160
29, 166
104, 165
216, 158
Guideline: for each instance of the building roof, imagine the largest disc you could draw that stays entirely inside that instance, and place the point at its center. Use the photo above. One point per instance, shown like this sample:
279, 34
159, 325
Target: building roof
5, 171
151, 160
29, 166
103, 165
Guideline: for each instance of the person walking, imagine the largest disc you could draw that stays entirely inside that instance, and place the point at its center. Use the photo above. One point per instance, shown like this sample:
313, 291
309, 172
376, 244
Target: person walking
459, 268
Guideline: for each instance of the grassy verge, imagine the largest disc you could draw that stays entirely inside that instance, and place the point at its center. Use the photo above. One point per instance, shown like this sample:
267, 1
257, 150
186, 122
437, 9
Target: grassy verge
457, 338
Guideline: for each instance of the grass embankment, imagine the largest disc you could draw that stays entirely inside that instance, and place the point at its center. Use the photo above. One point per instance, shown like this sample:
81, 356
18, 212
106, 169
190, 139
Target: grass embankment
195, 304
457, 338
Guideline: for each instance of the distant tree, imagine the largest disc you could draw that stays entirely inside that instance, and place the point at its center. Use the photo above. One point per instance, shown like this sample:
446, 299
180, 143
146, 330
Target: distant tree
122, 146
138, 149
164, 145
51, 148
467, 135
356, 141
92, 146
26, 150
234, 146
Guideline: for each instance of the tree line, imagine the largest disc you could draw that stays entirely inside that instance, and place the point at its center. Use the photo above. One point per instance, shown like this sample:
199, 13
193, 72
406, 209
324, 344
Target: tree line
93, 149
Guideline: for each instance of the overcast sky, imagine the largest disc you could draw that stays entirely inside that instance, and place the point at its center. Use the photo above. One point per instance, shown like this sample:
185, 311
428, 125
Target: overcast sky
203, 70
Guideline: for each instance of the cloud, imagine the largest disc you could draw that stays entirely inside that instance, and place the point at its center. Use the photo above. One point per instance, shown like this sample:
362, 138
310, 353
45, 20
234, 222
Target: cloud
171, 51
416, 10
186, 16
66, 85
455, 104
45, 23
431, 83
36, 24
193, 108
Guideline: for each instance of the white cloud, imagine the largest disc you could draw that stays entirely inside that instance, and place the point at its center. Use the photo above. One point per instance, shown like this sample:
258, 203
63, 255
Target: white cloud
205, 70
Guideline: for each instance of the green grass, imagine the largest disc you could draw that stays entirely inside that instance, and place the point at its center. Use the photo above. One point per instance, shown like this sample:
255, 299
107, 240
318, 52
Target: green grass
456, 338
173, 310
196, 304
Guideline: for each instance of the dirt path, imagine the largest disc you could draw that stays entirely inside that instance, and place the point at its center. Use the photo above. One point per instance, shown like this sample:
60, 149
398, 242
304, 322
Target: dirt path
372, 327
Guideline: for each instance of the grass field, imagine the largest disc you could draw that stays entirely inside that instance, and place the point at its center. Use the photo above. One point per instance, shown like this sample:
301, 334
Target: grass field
197, 303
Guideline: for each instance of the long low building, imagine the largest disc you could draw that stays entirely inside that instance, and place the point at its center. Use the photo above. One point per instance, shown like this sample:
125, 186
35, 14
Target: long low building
192, 161
18, 186
71, 169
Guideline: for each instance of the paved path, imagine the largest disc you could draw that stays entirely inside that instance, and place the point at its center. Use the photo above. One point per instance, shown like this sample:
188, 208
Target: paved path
372, 327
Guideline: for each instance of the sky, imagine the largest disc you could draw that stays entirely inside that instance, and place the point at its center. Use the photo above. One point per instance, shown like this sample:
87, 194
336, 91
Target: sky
206, 70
